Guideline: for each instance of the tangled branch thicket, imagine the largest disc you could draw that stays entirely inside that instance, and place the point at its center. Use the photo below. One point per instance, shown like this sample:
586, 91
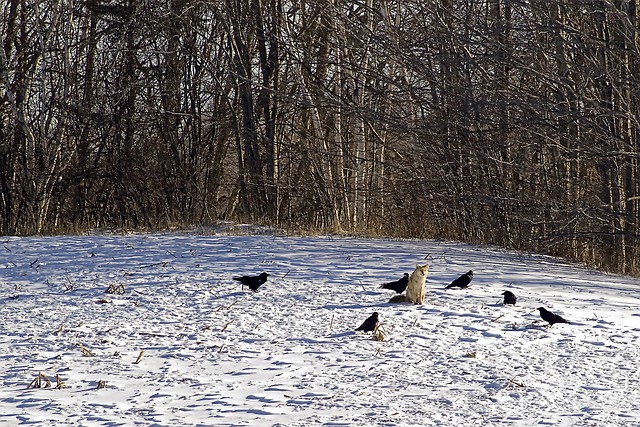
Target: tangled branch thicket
511, 123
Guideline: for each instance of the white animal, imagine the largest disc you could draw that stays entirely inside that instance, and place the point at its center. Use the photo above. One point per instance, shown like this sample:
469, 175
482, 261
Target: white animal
415, 288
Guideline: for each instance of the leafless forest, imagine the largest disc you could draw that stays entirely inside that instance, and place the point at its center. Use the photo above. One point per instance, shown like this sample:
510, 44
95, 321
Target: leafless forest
490, 121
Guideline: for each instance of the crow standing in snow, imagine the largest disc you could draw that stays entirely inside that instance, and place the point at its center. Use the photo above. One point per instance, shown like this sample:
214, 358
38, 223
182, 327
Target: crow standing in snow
463, 281
551, 317
509, 298
399, 285
253, 282
370, 324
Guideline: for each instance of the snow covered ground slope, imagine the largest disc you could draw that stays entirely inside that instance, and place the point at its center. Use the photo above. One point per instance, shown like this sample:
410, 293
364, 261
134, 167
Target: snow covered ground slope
210, 353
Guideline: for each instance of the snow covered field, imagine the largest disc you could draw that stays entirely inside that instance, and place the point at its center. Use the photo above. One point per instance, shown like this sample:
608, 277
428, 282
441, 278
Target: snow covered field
184, 345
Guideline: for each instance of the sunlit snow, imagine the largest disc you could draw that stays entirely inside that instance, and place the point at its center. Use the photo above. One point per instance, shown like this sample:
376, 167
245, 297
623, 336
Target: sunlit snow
211, 353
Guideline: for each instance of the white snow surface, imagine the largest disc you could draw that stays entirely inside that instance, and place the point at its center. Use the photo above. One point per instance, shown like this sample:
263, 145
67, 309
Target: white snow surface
215, 354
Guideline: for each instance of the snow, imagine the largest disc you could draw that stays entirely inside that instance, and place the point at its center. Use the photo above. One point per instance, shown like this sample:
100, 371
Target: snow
215, 354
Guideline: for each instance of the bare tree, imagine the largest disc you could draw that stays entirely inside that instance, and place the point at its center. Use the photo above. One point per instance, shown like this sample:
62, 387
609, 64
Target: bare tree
511, 123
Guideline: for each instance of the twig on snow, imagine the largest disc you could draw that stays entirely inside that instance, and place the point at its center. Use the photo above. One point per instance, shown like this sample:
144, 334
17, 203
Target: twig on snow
139, 359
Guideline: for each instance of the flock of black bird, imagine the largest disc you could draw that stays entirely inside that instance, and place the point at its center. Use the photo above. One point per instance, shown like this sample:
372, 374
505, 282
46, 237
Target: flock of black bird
462, 282
399, 286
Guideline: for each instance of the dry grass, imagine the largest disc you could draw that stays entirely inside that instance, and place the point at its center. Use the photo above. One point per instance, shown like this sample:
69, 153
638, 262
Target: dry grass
85, 351
378, 333
115, 289
224, 328
59, 383
40, 381
139, 359
225, 307
69, 285
513, 383
497, 318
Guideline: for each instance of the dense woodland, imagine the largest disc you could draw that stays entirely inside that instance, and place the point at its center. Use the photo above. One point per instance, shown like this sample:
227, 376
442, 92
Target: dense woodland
511, 122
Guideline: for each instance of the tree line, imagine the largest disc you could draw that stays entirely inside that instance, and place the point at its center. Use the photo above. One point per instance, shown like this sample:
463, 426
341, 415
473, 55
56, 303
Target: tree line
490, 121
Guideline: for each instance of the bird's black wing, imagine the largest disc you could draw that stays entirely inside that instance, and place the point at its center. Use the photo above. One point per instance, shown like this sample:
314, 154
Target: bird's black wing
369, 324
461, 282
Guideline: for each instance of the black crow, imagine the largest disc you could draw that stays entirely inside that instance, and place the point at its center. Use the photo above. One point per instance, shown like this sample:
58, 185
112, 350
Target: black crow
370, 324
399, 285
253, 282
462, 281
550, 317
509, 298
